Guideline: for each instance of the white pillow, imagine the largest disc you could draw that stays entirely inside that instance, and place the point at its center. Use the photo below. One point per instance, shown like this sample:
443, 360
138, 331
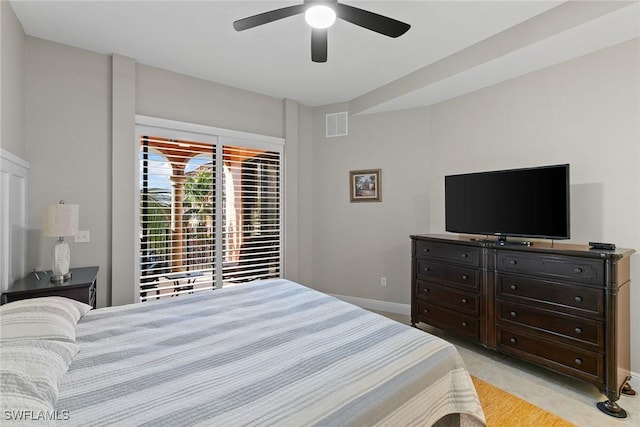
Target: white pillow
30, 371
53, 318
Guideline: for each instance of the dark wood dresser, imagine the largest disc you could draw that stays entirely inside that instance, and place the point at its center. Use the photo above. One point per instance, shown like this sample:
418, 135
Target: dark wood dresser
81, 287
564, 307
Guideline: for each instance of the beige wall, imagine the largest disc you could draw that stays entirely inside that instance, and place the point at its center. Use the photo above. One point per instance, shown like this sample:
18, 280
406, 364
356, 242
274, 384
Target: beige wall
306, 194
68, 134
355, 244
175, 96
12, 68
584, 112
80, 111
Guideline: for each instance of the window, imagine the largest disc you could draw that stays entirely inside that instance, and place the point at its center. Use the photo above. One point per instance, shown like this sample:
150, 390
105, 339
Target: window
210, 213
251, 214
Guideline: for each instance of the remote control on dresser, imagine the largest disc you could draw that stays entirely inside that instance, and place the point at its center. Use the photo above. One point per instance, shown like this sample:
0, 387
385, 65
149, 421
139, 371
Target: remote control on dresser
601, 245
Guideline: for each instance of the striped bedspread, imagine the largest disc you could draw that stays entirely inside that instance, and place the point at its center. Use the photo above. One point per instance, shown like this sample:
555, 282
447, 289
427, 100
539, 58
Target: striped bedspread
267, 353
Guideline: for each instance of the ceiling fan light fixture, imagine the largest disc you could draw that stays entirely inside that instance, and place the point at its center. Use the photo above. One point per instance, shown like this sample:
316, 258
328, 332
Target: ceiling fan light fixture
320, 16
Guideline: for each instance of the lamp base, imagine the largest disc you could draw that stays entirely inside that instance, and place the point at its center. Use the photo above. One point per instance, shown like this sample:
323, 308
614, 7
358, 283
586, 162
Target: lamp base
60, 261
59, 278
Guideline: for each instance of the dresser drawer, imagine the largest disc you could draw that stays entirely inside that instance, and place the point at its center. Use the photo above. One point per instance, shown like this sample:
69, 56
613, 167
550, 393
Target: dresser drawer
449, 320
448, 274
578, 331
575, 299
564, 267
562, 358
446, 296
451, 253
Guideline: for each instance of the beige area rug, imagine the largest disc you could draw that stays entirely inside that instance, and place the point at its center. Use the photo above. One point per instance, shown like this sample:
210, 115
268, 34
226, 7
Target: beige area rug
503, 409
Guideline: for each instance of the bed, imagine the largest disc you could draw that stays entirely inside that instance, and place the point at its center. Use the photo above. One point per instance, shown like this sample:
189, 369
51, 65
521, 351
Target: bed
265, 353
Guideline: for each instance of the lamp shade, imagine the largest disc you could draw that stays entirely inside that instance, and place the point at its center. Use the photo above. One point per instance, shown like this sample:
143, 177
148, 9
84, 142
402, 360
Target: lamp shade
60, 220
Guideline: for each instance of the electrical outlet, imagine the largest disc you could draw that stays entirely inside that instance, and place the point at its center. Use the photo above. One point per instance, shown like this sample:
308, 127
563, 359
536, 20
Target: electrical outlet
82, 237
383, 281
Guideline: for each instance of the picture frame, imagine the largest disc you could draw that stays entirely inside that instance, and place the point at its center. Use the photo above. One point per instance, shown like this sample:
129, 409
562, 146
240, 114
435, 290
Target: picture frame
365, 185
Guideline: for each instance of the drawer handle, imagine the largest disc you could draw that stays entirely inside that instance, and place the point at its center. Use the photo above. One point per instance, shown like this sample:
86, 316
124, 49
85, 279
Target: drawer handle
465, 277
425, 250
513, 262
464, 300
513, 287
577, 270
464, 255
426, 310
513, 314
513, 340
464, 324
427, 269
426, 290
578, 361
578, 299
578, 330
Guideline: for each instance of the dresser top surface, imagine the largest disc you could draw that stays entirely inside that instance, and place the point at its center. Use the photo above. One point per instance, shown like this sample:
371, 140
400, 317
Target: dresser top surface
548, 246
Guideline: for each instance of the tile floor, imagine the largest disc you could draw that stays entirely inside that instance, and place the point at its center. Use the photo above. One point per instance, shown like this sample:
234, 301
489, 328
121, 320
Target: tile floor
573, 400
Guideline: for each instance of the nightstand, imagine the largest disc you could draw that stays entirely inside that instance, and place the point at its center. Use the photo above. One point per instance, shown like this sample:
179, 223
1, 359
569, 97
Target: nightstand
81, 287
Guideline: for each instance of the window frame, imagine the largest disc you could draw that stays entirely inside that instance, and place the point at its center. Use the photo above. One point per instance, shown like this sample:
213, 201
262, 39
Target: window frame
219, 137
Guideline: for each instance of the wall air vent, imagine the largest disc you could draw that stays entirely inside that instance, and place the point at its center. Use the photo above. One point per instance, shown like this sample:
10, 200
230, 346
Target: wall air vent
337, 124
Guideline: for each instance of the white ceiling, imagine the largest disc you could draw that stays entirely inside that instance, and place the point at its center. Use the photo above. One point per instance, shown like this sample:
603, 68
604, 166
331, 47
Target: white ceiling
196, 38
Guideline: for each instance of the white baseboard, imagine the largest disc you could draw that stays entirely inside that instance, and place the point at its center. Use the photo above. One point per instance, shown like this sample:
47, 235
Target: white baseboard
376, 305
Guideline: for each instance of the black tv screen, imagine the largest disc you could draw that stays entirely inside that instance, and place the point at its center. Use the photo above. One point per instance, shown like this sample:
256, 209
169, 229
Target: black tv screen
530, 202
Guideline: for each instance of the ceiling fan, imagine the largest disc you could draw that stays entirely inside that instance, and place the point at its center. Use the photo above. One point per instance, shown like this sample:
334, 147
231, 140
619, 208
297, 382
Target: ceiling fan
321, 14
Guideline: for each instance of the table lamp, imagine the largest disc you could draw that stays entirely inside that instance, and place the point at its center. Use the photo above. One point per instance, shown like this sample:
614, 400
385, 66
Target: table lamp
60, 220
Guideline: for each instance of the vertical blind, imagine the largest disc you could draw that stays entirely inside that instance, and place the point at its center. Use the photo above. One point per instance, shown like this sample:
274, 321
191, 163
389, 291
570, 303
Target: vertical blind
210, 215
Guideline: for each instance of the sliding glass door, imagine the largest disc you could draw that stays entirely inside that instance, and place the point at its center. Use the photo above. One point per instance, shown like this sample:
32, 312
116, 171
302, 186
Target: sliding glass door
209, 213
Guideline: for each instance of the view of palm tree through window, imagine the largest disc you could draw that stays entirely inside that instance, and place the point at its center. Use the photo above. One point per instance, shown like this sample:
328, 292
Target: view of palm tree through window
188, 192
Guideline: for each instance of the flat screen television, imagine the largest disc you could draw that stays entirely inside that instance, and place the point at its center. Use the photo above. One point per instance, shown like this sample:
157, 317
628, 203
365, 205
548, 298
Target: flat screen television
528, 202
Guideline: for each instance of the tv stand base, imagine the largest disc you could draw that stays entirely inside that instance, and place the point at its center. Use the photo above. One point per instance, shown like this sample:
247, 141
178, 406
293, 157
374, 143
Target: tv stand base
502, 241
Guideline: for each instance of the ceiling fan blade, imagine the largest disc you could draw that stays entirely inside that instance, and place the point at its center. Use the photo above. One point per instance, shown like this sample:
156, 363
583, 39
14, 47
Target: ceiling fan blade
319, 45
266, 17
372, 21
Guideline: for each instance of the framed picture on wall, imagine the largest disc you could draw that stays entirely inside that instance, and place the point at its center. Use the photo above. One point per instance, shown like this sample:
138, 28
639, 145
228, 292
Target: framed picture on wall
365, 185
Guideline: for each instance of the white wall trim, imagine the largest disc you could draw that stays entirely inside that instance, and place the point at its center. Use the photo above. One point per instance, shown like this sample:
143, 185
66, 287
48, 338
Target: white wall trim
7, 156
175, 125
14, 173
377, 305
